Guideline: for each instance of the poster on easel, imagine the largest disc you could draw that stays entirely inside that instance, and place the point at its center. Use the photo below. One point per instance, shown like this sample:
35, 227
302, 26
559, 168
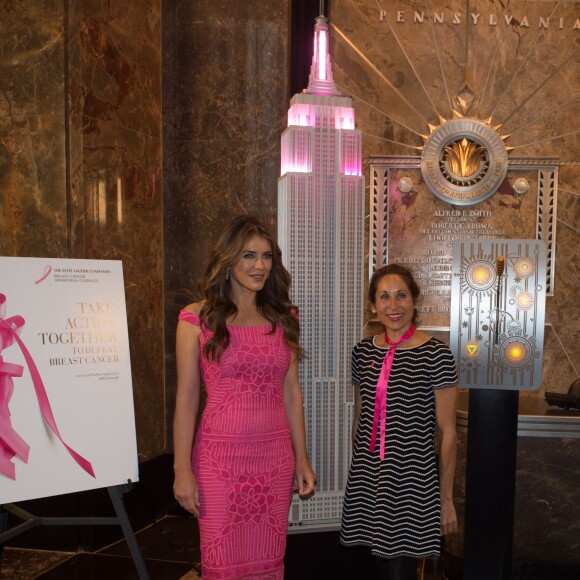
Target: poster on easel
67, 420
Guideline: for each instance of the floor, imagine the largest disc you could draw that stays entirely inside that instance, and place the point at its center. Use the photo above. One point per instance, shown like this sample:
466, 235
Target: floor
170, 548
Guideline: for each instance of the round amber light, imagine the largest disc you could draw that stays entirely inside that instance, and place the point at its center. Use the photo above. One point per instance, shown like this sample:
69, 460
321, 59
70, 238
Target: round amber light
524, 301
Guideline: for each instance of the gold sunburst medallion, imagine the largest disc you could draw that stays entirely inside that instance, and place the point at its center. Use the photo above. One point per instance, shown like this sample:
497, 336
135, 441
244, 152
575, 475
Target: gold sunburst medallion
464, 160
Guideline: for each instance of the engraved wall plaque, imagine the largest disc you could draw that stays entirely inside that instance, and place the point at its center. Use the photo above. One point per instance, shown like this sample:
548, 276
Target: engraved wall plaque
418, 229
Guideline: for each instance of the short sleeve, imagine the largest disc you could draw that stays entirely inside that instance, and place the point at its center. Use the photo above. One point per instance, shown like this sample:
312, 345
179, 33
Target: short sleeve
190, 317
444, 370
355, 366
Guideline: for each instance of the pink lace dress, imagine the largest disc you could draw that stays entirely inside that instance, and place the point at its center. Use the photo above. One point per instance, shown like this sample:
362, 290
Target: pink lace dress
242, 456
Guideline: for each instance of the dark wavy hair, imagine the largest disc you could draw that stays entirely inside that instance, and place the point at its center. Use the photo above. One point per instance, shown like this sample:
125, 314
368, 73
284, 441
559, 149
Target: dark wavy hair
405, 274
273, 301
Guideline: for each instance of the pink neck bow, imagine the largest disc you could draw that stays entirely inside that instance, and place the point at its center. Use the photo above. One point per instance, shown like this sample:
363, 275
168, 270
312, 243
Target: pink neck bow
11, 444
381, 394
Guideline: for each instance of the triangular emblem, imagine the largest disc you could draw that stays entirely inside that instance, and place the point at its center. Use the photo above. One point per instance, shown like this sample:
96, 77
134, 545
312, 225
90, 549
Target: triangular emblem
471, 349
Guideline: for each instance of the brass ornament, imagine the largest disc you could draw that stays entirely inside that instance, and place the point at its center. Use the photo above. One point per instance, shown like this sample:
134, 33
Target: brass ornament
521, 186
405, 184
464, 160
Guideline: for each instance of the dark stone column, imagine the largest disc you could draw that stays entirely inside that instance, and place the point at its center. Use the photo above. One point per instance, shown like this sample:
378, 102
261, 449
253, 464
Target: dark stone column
490, 485
225, 98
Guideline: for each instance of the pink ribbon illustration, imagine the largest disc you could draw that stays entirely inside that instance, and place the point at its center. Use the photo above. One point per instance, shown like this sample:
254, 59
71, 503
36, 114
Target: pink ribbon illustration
45, 274
381, 394
11, 443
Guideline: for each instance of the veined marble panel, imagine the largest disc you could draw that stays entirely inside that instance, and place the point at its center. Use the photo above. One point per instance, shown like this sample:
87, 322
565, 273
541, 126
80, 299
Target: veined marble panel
226, 82
80, 172
116, 178
32, 130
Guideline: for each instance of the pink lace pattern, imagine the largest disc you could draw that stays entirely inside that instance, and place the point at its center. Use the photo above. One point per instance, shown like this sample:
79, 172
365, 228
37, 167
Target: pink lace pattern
243, 457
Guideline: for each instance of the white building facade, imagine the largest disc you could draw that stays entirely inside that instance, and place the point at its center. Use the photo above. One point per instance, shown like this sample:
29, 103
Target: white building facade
321, 233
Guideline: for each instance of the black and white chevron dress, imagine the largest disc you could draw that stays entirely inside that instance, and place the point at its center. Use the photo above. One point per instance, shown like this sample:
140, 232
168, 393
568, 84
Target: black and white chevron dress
393, 505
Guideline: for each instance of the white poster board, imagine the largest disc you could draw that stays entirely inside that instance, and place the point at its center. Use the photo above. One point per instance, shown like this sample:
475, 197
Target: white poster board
64, 369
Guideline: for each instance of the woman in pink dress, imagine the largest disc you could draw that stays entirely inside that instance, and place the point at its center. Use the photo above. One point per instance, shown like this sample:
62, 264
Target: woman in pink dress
242, 340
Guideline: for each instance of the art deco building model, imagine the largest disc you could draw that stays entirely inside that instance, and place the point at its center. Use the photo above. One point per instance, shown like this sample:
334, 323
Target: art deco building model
321, 233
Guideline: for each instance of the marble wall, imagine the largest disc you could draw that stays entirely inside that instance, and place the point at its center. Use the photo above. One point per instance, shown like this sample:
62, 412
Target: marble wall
80, 159
404, 74
33, 165
114, 58
226, 94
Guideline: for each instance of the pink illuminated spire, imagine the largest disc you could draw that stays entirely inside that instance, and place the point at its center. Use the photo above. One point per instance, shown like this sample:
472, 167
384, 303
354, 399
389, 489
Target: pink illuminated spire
321, 81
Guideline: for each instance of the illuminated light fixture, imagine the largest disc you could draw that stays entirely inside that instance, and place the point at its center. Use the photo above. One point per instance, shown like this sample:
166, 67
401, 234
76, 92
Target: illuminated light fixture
480, 275
472, 349
321, 81
515, 352
524, 267
321, 49
524, 301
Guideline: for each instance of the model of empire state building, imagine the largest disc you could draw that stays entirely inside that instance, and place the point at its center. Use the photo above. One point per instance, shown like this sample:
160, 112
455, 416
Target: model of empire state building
321, 233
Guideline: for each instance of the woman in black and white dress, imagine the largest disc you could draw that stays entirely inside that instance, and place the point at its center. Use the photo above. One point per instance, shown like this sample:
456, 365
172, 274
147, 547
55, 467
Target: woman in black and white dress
405, 389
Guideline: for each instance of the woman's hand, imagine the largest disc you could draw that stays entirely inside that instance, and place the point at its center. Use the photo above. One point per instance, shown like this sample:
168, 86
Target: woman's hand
186, 492
305, 479
448, 517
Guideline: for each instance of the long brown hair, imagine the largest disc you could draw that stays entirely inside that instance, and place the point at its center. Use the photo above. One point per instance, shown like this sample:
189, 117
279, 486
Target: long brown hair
273, 301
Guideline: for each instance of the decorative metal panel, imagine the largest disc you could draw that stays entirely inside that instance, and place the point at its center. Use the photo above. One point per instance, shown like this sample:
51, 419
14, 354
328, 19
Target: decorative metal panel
498, 300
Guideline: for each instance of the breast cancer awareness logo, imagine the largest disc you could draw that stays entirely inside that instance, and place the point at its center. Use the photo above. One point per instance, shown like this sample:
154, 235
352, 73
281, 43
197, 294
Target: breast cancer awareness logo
11, 444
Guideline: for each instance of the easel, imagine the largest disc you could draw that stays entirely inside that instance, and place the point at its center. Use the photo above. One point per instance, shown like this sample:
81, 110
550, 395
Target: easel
30, 521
